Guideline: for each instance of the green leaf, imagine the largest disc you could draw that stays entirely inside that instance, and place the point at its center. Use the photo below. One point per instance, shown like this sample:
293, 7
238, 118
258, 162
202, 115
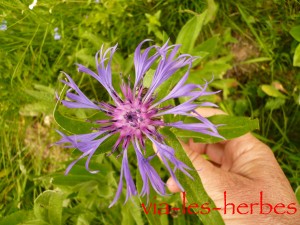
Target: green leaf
297, 192
204, 49
128, 64
80, 127
232, 127
296, 59
274, 103
256, 60
44, 88
131, 213
208, 45
295, 32
296, 96
162, 90
48, 207
224, 85
148, 78
71, 180
19, 217
71, 125
92, 38
36, 109
212, 69
41, 95
212, 9
78, 174
44, 104
118, 61
194, 189
126, 216
190, 31
85, 56
135, 212
272, 91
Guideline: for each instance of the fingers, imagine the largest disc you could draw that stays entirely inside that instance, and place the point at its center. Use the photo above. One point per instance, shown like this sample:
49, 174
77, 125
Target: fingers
215, 152
247, 156
214, 179
172, 186
210, 175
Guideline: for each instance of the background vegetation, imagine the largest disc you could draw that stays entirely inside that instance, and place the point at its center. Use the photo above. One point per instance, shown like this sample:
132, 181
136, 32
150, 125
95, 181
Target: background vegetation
251, 47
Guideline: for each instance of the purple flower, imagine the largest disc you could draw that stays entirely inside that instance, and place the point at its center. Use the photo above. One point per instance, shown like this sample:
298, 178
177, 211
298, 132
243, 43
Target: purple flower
135, 115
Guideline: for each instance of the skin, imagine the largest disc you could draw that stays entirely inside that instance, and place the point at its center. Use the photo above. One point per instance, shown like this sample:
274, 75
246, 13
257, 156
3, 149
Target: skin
243, 167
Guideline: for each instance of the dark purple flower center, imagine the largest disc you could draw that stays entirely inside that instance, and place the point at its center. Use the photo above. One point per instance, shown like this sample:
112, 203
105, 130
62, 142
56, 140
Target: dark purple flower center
132, 117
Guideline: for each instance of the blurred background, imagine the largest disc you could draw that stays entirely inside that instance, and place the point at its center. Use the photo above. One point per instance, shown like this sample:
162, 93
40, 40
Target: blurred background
250, 47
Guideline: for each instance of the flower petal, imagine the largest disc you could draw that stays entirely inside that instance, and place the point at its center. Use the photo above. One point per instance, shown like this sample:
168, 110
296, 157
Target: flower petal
85, 143
131, 189
187, 106
142, 62
181, 109
148, 173
104, 72
75, 161
204, 128
167, 153
104, 75
79, 99
168, 66
77, 138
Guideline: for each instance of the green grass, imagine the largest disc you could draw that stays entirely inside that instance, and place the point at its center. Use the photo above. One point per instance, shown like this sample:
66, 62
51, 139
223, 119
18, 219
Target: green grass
253, 47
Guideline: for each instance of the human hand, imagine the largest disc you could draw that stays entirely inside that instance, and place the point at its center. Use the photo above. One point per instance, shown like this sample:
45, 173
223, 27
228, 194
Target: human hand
246, 169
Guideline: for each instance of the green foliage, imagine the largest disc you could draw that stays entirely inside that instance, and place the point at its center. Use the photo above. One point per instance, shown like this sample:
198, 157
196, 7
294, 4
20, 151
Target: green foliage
296, 60
272, 91
297, 192
295, 32
230, 127
19, 217
190, 31
48, 207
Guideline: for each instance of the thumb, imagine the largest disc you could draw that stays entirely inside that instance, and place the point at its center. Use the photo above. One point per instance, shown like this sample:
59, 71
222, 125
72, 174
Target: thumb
214, 179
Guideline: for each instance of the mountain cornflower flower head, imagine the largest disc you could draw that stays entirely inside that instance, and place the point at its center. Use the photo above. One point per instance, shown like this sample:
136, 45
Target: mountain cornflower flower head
135, 115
